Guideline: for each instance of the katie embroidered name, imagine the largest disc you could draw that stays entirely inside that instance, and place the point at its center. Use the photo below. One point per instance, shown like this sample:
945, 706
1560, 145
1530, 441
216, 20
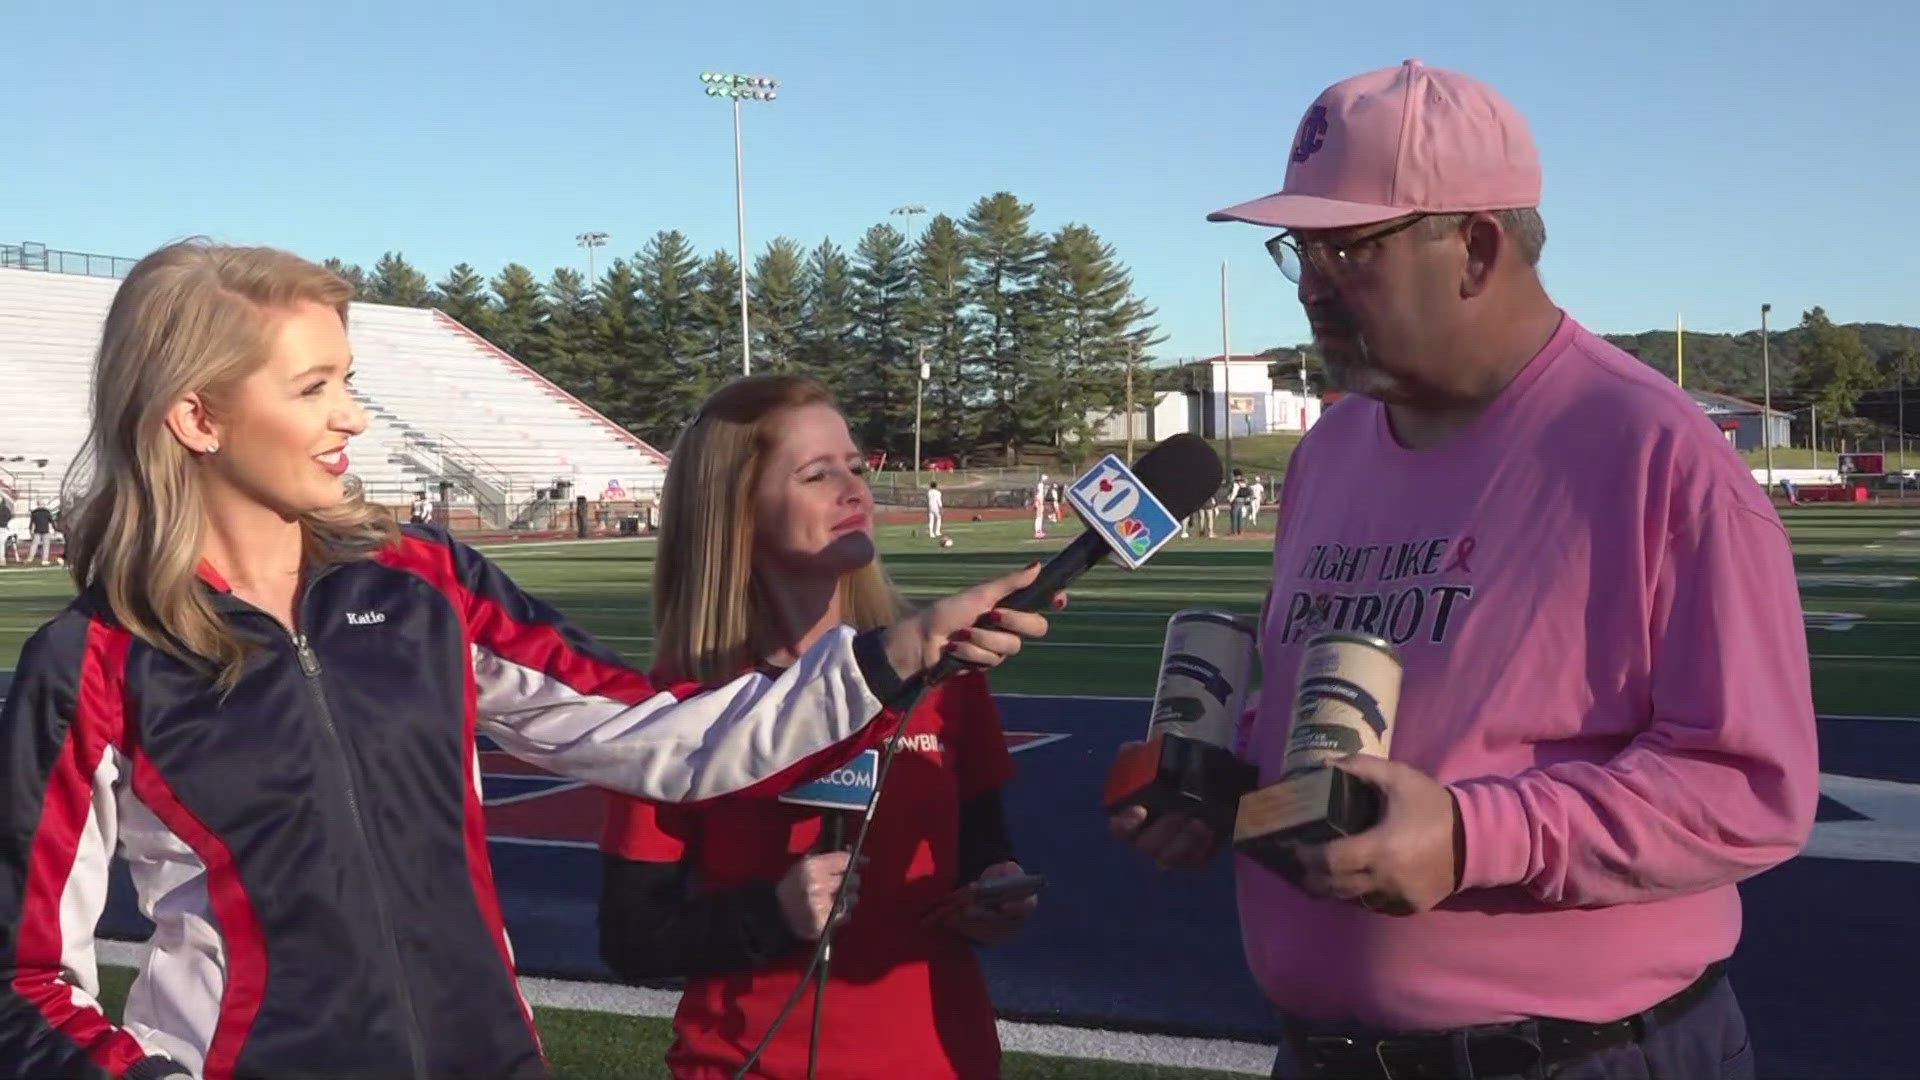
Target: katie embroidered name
365, 618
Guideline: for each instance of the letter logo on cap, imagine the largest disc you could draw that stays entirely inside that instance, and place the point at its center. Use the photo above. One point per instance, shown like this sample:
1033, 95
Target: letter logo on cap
1312, 134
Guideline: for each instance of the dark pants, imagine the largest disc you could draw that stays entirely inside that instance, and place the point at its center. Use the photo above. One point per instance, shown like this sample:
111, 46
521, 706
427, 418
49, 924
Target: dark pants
1708, 1042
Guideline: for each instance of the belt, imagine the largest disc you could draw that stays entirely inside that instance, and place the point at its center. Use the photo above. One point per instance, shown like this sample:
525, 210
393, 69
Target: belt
1495, 1050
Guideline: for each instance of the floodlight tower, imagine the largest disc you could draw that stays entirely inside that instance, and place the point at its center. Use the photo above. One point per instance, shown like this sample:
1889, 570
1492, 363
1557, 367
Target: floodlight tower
740, 88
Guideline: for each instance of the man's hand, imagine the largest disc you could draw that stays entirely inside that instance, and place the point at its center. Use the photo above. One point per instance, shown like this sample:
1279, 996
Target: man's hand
1408, 862
1174, 841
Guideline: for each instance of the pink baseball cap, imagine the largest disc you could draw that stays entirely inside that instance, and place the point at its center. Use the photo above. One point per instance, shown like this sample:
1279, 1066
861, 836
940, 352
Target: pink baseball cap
1397, 141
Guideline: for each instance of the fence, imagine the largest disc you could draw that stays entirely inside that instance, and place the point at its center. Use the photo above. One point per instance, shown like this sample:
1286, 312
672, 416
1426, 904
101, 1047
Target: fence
31, 256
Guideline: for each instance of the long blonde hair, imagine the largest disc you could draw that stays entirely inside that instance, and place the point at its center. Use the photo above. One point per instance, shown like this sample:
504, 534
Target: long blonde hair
707, 600
194, 317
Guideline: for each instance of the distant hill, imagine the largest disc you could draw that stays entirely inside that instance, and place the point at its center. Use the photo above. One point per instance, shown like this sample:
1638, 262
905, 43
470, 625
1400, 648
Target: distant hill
1722, 363
1730, 363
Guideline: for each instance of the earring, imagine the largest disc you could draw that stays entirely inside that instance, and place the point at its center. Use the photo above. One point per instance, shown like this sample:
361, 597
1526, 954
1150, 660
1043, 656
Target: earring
213, 448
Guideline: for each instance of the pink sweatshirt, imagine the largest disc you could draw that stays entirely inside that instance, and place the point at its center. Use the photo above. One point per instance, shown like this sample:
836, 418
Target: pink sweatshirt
1604, 659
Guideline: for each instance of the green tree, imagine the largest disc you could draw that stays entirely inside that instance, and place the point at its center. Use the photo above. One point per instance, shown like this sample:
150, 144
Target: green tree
353, 275
880, 398
1006, 257
779, 295
462, 294
938, 312
1091, 327
716, 305
671, 377
564, 349
618, 347
827, 347
520, 311
395, 281
1832, 364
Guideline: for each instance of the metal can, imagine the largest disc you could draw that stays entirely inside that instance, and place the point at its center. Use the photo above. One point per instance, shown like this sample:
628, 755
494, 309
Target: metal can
1205, 668
1348, 690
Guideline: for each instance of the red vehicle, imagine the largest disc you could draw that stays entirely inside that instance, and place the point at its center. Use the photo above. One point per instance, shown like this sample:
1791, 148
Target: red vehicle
937, 464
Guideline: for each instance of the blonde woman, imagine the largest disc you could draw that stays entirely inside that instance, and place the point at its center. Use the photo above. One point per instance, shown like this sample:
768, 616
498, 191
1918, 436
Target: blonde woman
767, 547
266, 699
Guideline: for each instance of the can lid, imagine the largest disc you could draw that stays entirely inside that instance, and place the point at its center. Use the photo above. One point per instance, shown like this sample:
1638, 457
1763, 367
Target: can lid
1356, 638
1241, 623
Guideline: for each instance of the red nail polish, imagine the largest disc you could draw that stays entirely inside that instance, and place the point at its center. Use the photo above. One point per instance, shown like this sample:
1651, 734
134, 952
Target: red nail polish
960, 636
1033, 564
992, 618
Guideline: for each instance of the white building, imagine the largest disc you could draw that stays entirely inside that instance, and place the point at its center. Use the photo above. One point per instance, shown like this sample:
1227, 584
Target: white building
1243, 384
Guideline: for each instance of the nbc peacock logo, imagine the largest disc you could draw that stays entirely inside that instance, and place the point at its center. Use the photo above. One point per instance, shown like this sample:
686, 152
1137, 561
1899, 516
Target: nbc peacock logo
1135, 533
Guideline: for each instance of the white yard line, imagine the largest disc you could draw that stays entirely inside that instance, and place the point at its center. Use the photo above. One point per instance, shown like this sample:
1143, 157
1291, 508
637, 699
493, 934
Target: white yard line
1224, 1055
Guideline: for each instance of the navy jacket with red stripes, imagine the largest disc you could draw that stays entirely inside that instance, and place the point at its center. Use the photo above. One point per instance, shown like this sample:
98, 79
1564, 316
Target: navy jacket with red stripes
312, 847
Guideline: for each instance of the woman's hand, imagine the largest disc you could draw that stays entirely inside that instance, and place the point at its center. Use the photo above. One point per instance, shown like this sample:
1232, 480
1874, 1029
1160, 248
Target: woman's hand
917, 642
806, 892
989, 922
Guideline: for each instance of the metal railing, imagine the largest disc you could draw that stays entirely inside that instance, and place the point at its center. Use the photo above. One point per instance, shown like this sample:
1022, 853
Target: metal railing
32, 256
443, 457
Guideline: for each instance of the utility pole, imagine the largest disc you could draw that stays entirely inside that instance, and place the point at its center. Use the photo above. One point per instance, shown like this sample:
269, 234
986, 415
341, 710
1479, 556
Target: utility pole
919, 391
1226, 368
1133, 357
1766, 410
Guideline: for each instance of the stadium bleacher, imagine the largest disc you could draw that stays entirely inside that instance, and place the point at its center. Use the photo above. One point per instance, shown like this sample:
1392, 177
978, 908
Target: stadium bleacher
443, 404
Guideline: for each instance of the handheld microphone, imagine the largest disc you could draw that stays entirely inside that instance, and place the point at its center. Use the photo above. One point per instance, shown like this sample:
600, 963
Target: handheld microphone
843, 792
1129, 514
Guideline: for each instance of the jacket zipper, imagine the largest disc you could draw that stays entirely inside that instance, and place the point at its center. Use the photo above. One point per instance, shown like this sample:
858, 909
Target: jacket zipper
310, 666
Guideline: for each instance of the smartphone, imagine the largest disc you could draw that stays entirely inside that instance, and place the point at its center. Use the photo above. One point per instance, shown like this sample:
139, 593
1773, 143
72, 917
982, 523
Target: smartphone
1004, 889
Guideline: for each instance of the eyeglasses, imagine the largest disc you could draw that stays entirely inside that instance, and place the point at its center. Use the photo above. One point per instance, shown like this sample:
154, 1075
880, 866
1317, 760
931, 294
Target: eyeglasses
1332, 258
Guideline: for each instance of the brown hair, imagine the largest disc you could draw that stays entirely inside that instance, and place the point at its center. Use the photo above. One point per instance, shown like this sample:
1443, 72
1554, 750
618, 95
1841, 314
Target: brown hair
706, 599
194, 317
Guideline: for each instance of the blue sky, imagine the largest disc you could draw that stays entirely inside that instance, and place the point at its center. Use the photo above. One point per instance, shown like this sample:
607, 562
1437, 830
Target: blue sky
1700, 160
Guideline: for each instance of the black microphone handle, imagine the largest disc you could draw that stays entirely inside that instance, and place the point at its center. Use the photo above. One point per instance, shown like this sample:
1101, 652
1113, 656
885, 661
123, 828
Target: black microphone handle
1073, 560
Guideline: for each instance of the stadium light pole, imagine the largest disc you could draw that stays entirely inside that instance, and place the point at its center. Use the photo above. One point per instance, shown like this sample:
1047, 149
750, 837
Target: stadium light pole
1766, 403
590, 240
740, 88
909, 211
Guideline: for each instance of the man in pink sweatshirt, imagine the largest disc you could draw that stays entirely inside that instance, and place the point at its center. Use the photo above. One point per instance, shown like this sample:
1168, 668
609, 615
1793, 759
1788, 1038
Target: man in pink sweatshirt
1606, 720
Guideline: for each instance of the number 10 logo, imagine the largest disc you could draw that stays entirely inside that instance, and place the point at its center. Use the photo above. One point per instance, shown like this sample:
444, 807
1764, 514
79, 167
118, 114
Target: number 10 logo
1110, 492
1114, 501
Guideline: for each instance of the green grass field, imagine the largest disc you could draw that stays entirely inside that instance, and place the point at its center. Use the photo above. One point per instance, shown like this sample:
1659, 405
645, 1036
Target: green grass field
1860, 572
1108, 638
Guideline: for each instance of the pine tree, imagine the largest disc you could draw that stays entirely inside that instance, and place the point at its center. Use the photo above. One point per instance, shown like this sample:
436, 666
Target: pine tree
880, 397
354, 276
938, 311
618, 346
716, 305
564, 350
1090, 329
520, 311
1005, 264
462, 294
827, 347
779, 303
395, 281
671, 378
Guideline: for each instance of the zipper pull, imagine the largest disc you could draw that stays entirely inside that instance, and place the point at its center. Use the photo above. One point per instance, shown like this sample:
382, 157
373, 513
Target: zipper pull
309, 663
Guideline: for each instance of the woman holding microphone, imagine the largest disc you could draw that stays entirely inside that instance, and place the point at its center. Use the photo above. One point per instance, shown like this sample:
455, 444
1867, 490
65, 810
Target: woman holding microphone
266, 699
766, 547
